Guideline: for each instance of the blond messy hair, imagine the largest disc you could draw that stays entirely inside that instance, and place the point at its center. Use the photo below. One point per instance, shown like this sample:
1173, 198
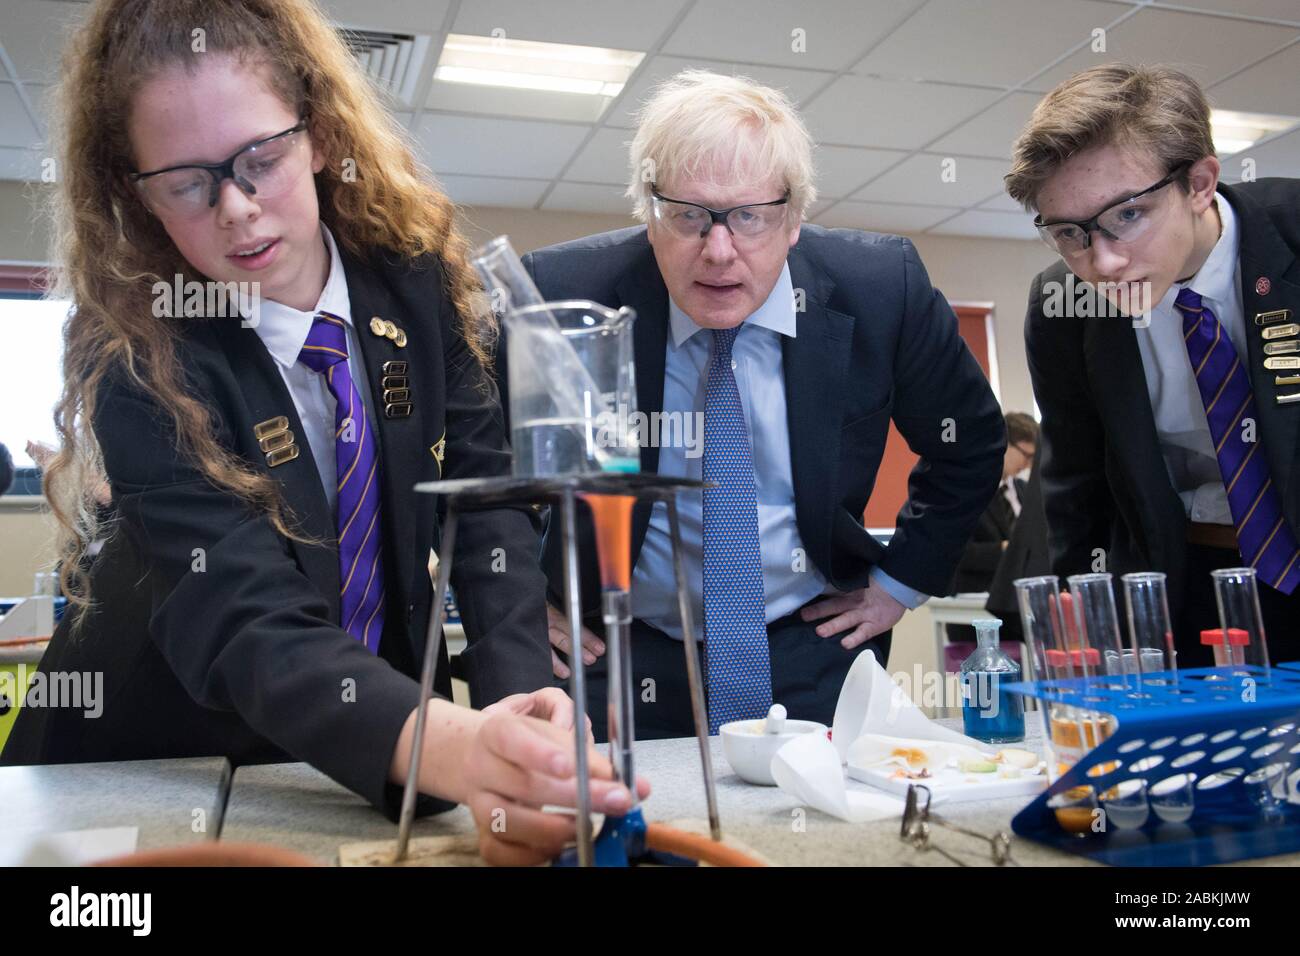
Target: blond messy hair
698, 122
1155, 109
109, 250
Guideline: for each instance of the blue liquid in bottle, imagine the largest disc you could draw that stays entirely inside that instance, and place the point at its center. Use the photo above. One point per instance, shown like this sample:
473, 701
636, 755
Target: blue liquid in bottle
989, 713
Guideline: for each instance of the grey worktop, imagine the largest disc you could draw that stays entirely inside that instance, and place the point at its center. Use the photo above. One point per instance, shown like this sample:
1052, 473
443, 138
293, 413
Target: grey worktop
159, 797
297, 807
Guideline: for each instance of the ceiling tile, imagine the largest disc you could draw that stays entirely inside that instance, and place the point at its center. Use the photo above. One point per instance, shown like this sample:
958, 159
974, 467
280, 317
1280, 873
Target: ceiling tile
34, 34
998, 42
1268, 87
1002, 203
862, 111
980, 222
20, 164
398, 16
934, 180
1207, 48
835, 32
41, 96
493, 191
525, 104
629, 26
817, 208
883, 217
16, 127
475, 146
842, 169
604, 159
992, 132
1273, 9
581, 197
1277, 157
797, 84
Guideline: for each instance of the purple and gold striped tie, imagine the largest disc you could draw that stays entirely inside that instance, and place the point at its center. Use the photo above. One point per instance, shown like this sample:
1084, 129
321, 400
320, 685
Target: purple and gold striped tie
1266, 541
361, 566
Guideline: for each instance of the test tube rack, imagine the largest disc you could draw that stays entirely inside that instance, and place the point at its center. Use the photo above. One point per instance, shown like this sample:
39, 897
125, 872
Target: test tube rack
1236, 729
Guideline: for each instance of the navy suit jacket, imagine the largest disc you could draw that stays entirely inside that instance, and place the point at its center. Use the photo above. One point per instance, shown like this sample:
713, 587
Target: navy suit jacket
247, 659
875, 342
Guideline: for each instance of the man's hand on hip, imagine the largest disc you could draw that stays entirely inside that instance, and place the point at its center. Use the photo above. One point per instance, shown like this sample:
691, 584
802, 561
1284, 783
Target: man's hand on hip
557, 629
869, 611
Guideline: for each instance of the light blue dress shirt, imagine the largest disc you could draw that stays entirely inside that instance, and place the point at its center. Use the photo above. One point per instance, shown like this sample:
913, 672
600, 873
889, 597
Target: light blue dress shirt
790, 580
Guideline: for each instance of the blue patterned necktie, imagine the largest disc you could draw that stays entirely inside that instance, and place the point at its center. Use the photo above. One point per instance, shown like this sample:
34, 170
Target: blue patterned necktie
735, 629
1263, 536
361, 566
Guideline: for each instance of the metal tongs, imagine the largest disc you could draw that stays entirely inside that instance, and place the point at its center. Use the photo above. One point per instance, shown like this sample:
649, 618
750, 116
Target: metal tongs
916, 829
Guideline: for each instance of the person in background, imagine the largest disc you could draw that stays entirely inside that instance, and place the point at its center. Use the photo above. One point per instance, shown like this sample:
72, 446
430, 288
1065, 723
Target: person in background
1161, 348
1026, 554
988, 543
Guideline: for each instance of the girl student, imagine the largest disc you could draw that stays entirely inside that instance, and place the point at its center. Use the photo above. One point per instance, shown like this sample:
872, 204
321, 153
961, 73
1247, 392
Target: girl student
264, 592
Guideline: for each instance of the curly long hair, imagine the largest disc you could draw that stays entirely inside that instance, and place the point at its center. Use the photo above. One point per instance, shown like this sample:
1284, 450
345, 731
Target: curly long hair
109, 250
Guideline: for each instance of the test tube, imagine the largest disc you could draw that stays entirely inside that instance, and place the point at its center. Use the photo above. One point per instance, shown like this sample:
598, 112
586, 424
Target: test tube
1058, 654
1096, 622
1238, 600
1150, 634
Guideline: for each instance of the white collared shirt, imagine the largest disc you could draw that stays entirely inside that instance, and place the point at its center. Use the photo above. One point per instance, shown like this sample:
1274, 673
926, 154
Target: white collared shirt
1181, 425
283, 330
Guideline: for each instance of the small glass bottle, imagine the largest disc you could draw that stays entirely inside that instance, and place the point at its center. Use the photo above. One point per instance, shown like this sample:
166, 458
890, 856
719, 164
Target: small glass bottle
989, 713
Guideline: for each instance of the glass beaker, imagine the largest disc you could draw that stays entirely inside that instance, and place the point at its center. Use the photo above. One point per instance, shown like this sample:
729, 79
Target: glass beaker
565, 424
1238, 600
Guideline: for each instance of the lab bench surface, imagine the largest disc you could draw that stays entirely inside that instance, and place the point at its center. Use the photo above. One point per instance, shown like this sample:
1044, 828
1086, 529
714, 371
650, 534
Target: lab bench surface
297, 807
170, 802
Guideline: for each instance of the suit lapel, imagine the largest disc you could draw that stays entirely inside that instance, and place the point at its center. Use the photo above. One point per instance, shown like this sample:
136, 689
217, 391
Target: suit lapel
1264, 255
401, 445
642, 288
267, 397
814, 364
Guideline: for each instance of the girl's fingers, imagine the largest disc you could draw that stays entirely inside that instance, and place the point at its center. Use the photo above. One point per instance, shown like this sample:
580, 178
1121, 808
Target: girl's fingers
497, 853
512, 823
522, 741
555, 707
519, 759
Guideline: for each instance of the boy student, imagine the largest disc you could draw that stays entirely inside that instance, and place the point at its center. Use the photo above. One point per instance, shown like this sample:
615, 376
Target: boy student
1170, 441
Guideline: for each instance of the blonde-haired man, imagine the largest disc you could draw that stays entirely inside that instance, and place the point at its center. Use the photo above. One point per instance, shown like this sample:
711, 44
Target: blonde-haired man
796, 345
1167, 377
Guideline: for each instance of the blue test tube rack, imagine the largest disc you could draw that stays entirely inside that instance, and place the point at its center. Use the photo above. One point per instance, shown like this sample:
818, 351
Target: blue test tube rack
1237, 729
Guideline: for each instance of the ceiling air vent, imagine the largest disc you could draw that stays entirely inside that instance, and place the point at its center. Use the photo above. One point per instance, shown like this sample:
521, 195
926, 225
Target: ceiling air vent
394, 61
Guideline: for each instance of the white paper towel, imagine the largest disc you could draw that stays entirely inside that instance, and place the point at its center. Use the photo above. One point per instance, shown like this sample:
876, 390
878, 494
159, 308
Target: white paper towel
810, 767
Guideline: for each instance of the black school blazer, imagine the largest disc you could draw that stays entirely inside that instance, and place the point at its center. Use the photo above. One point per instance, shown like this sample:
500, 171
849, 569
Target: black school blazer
241, 654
